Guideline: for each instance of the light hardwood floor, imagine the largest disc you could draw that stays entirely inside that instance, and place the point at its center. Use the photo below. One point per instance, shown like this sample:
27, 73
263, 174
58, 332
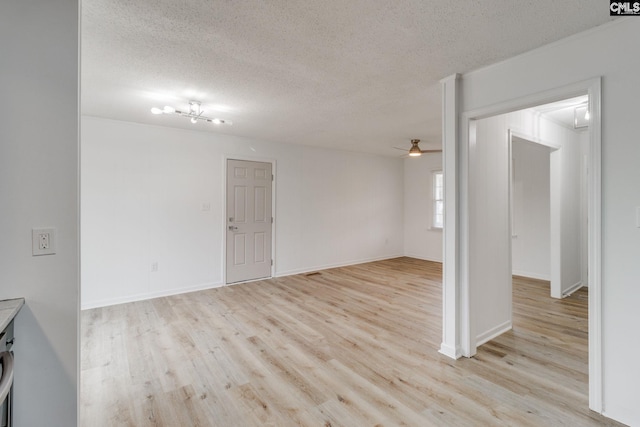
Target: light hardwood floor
353, 346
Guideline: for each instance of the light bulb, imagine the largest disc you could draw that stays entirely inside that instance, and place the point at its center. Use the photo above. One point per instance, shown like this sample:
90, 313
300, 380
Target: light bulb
216, 121
194, 120
587, 116
415, 150
156, 110
168, 109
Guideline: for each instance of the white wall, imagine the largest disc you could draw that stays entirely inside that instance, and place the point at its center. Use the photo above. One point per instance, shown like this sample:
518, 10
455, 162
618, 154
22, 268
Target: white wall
143, 188
489, 239
595, 53
420, 239
38, 187
531, 211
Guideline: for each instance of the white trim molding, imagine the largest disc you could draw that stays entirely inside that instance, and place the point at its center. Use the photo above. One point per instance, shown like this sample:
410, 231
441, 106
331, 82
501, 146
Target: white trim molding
529, 275
572, 289
335, 265
494, 332
150, 295
594, 212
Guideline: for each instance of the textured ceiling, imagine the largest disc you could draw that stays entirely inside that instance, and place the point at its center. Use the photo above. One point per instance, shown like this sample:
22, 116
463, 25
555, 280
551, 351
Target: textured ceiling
354, 75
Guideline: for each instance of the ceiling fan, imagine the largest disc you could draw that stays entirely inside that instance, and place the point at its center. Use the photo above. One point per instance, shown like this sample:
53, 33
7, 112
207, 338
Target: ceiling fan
415, 150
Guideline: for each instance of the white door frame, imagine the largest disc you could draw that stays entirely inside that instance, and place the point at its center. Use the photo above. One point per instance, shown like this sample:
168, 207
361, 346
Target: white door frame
224, 206
457, 314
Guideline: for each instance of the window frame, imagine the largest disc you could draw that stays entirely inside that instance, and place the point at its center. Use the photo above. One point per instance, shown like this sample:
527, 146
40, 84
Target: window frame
435, 201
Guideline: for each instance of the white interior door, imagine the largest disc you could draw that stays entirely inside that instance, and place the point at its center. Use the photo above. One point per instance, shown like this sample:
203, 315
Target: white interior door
249, 221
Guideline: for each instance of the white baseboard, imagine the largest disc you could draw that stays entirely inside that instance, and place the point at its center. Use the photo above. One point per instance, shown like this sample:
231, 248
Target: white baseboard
571, 289
493, 332
150, 295
423, 258
336, 265
145, 296
531, 275
449, 351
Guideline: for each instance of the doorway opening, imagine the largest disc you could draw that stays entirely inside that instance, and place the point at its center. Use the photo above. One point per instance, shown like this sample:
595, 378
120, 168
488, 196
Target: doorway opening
485, 235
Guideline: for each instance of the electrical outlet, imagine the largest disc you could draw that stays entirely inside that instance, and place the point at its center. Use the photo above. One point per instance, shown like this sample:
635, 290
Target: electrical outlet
43, 241
154, 266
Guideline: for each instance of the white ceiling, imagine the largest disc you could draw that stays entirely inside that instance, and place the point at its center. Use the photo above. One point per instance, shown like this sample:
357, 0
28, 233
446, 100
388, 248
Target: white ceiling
354, 75
563, 112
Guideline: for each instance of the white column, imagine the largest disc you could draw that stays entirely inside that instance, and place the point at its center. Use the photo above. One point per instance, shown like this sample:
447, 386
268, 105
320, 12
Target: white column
450, 282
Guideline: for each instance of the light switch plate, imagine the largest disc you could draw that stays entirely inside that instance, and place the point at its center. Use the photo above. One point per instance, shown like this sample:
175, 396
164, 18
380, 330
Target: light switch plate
43, 241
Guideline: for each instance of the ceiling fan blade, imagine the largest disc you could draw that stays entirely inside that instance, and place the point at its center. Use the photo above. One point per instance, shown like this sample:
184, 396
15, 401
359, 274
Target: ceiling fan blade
403, 149
431, 151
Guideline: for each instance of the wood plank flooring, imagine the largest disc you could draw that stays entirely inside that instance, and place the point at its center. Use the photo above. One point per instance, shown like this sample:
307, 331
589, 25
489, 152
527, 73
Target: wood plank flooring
353, 346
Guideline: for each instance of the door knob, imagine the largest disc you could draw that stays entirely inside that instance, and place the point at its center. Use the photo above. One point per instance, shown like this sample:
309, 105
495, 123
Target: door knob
233, 228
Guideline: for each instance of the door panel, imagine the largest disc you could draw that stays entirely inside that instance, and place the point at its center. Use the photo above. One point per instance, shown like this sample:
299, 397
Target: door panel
259, 250
260, 208
249, 225
239, 250
240, 204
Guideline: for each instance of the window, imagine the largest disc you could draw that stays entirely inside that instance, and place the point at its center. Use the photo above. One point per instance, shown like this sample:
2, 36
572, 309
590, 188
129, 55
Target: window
438, 199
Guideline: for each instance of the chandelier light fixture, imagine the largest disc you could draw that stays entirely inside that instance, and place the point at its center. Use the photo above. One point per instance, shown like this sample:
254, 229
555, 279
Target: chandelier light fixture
195, 113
